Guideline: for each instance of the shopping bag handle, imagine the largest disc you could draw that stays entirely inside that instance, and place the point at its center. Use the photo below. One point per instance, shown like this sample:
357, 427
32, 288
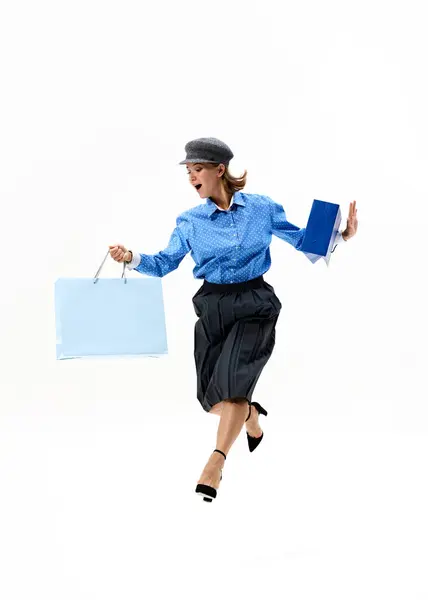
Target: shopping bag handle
102, 264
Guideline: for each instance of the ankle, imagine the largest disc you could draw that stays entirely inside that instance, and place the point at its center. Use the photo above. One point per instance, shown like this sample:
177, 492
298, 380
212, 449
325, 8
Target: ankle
221, 452
217, 458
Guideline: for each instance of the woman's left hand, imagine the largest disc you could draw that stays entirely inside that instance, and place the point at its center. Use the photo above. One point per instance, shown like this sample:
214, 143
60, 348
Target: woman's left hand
352, 222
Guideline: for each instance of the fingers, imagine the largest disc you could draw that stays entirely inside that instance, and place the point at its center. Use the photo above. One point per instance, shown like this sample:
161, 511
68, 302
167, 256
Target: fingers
118, 252
352, 221
352, 210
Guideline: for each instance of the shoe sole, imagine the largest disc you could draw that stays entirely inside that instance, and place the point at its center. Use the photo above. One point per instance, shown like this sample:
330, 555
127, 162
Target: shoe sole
206, 498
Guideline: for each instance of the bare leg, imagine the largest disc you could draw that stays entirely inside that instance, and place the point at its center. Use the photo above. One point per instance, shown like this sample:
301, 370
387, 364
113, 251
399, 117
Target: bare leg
217, 408
232, 417
252, 425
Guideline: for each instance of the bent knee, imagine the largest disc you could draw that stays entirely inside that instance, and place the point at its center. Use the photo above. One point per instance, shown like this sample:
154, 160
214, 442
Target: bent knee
237, 400
217, 408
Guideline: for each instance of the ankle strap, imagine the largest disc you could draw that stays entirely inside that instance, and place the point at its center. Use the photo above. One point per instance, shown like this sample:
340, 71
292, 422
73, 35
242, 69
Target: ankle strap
220, 452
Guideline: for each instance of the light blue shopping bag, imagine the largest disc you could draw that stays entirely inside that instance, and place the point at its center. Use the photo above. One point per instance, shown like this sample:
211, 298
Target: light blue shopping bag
109, 317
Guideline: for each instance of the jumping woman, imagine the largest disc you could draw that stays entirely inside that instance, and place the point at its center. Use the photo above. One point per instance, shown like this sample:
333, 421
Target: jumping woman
228, 237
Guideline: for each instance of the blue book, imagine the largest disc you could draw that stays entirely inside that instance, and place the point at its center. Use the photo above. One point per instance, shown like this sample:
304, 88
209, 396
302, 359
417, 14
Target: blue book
321, 230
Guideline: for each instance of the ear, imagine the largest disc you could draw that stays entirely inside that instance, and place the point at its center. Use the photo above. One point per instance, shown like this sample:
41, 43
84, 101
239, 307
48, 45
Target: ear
221, 169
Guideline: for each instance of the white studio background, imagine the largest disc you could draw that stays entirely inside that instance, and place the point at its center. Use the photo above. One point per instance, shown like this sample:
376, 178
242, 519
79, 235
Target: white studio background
99, 459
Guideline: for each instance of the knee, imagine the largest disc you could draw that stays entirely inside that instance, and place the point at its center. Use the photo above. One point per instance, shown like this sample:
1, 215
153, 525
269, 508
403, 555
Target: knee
217, 408
238, 400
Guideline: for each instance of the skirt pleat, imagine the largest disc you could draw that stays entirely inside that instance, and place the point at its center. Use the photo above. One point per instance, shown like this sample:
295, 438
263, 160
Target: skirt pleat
234, 338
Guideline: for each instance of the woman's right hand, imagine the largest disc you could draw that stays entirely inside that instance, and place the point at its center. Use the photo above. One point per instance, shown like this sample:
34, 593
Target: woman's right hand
119, 253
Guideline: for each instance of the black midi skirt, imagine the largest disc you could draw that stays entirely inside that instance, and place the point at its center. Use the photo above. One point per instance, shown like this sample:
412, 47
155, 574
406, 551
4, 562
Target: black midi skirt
234, 338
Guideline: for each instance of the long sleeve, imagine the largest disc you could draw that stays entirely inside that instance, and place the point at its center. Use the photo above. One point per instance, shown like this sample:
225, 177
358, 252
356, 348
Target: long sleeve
284, 229
165, 261
291, 233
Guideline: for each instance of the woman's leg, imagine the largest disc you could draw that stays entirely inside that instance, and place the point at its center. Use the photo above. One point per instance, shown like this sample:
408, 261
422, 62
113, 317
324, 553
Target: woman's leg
233, 413
252, 425
217, 408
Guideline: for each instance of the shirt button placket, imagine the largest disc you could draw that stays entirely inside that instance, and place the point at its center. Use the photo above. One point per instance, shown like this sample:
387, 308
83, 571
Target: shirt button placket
234, 234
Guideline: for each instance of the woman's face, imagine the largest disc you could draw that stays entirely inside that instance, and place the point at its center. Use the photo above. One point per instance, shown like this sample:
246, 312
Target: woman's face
205, 178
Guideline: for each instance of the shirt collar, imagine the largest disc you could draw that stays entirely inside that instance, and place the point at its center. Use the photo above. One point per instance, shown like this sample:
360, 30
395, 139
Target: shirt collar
236, 199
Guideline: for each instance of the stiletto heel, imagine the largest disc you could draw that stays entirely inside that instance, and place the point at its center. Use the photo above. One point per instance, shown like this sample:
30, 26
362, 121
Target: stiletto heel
252, 441
206, 491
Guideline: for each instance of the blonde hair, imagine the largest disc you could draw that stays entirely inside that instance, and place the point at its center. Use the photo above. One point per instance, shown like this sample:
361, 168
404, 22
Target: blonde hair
231, 184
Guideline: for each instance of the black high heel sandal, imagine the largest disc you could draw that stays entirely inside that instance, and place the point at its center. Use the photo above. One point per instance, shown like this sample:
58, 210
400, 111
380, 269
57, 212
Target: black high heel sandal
252, 441
206, 491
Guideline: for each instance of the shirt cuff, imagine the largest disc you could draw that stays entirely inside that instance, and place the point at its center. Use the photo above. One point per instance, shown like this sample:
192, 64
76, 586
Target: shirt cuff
339, 238
136, 259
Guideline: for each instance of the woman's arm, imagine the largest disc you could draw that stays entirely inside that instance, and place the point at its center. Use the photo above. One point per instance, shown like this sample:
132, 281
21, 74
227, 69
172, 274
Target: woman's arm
294, 235
165, 261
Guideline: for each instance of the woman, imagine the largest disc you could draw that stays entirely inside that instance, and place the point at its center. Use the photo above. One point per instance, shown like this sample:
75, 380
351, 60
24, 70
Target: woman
228, 237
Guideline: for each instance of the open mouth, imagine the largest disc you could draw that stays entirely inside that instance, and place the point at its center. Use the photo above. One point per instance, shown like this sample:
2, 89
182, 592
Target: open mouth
198, 187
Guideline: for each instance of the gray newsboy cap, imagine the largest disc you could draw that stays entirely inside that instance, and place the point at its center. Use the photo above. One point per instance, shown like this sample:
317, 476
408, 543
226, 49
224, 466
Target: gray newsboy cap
209, 150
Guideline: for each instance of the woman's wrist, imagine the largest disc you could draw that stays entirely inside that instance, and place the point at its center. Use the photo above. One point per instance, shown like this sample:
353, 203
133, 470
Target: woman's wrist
128, 256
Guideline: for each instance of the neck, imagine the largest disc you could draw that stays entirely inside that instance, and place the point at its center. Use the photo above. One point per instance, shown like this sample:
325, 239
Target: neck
222, 199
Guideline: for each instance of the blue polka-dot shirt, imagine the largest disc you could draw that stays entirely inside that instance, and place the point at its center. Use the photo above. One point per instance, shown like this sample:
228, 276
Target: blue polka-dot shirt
228, 246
